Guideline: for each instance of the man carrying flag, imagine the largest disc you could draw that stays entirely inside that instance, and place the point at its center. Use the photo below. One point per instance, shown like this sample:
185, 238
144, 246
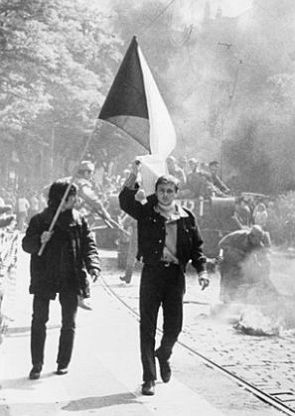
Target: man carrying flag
168, 237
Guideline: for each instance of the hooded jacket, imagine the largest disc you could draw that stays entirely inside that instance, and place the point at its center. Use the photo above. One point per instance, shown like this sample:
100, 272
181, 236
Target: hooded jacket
67, 256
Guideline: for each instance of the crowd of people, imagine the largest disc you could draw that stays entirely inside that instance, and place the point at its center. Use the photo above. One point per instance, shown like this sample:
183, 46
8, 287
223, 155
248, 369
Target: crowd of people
163, 235
197, 179
98, 191
21, 205
161, 232
63, 251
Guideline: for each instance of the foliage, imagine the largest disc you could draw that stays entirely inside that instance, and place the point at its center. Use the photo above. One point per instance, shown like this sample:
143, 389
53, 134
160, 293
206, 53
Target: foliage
258, 145
228, 83
56, 59
222, 78
260, 149
281, 220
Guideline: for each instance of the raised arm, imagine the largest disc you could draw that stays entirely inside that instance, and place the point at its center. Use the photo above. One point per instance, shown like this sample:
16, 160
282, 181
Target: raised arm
127, 196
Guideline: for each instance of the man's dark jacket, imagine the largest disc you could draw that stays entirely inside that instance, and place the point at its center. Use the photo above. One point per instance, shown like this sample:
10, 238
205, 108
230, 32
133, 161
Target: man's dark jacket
81, 253
151, 232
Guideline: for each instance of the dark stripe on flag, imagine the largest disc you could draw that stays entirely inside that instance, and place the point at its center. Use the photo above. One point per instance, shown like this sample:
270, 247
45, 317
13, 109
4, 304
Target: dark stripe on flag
127, 94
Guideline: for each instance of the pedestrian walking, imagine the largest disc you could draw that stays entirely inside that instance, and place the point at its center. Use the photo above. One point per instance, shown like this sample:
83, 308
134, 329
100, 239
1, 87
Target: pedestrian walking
87, 192
131, 225
260, 214
168, 237
22, 210
70, 253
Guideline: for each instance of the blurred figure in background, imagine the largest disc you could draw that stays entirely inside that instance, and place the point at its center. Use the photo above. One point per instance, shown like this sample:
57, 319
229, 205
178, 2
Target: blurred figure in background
245, 265
88, 194
34, 205
175, 170
130, 225
6, 216
183, 164
260, 214
22, 211
196, 184
220, 187
42, 202
243, 212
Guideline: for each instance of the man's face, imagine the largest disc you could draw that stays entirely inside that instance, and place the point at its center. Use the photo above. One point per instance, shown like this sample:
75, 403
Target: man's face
70, 202
192, 166
254, 239
182, 162
213, 169
170, 164
166, 193
87, 174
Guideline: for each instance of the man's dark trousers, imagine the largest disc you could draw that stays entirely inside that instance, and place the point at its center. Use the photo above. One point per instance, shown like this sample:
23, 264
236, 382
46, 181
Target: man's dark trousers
69, 304
160, 285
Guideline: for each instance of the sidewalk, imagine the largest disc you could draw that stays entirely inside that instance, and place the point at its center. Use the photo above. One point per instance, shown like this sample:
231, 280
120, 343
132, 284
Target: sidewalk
105, 373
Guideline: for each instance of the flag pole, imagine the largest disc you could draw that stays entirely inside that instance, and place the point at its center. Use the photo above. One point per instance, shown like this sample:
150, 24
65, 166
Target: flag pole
58, 211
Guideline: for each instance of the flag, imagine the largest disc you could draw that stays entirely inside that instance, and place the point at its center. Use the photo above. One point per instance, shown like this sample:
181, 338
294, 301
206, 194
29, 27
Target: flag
134, 104
151, 168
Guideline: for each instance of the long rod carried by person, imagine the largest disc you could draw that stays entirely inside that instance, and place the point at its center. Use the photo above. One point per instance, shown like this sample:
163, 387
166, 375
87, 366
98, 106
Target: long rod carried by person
58, 211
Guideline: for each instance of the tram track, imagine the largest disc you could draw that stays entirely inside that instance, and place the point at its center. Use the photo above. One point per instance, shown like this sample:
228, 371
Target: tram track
282, 400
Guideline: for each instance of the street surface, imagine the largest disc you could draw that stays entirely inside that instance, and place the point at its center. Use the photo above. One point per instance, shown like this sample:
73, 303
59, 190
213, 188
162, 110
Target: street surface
105, 373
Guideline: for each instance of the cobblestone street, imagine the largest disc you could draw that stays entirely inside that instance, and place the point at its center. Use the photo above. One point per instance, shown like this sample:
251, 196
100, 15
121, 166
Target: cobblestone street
267, 362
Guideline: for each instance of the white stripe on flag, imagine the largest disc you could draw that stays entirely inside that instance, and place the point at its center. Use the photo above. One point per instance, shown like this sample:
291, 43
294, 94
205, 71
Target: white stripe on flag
151, 169
162, 132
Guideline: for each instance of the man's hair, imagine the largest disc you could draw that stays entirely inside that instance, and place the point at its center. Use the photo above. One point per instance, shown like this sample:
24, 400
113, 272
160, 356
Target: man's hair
256, 231
86, 165
165, 179
213, 163
240, 199
57, 191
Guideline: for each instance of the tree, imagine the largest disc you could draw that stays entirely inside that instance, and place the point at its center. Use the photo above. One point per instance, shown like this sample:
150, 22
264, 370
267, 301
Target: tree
56, 57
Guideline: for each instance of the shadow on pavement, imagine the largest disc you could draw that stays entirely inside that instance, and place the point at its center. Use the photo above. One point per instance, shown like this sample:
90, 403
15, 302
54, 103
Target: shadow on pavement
89, 403
23, 383
25, 329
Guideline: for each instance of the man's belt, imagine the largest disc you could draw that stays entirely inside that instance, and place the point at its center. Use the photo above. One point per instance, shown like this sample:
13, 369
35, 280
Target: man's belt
162, 263
168, 263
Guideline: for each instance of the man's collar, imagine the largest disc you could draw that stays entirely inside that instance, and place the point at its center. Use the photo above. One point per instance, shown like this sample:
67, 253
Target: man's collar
174, 215
181, 211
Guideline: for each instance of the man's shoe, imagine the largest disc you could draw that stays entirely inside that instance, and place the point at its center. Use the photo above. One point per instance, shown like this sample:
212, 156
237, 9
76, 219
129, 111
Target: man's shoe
125, 279
148, 388
165, 369
61, 371
35, 372
84, 303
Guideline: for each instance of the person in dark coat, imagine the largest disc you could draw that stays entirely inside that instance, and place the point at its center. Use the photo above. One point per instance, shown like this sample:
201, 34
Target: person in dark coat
219, 187
70, 253
245, 266
168, 237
